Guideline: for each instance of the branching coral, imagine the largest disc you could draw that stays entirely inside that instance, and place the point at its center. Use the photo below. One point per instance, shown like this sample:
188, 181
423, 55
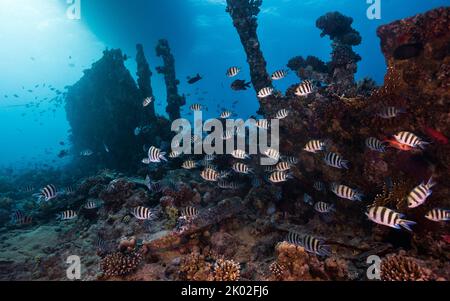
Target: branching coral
194, 267
402, 268
226, 270
120, 263
277, 270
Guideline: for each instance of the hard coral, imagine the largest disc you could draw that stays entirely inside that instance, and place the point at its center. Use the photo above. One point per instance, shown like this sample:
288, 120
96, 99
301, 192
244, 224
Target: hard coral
226, 270
402, 268
195, 267
120, 263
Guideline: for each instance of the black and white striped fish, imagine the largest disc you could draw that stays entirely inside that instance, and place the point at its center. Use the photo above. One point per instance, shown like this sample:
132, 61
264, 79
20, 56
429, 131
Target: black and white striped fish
225, 114
147, 101
304, 89
410, 139
265, 92
86, 153
272, 154
262, 124
291, 160
67, 215
48, 193
281, 114
279, 177
155, 155
227, 135
387, 217
69, 189
375, 144
141, 213
196, 107
323, 207
346, 192
28, 189
283, 166
209, 174
241, 168
319, 186
335, 160
189, 164
314, 146
390, 112
269, 168
233, 71
19, 218
239, 154
91, 205
189, 212
310, 243
154, 187
438, 215
174, 154
279, 74
420, 193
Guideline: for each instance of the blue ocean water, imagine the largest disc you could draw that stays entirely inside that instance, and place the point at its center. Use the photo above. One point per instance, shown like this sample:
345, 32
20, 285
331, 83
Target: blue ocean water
41, 45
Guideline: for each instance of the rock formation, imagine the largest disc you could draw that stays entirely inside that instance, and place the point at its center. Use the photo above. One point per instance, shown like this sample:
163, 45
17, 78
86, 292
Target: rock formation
144, 82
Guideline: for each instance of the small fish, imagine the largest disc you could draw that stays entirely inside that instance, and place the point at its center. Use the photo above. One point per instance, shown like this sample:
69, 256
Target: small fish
67, 215
210, 175
269, 168
319, 186
193, 79
49, 192
189, 164
390, 112
141, 213
227, 135
314, 146
262, 124
323, 207
376, 145
147, 101
438, 215
225, 114
69, 190
387, 217
283, 166
196, 107
346, 192
309, 243
240, 85
419, 194
241, 168
28, 189
86, 153
281, 114
155, 155
233, 71
239, 154
174, 154
304, 89
272, 154
279, 177
189, 212
410, 139
91, 205
106, 147
265, 92
279, 74
307, 199
291, 160
334, 160
21, 219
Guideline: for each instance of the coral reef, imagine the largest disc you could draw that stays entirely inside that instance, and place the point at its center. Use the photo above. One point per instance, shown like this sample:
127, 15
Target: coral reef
226, 270
402, 268
120, 264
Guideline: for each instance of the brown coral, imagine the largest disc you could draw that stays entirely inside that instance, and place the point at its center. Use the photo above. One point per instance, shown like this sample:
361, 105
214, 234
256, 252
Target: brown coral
120, 263
226, 270
402, 268
194, 267
277, 270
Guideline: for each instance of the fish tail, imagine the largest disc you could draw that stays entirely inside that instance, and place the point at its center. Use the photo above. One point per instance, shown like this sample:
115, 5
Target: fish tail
344, 164
423, 144
431, 183
324, 250
406, 224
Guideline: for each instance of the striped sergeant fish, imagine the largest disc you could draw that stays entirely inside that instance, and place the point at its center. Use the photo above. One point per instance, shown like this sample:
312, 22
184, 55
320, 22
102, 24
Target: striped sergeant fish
291, 160
420, 193
174, 154
387, 217
438, 215
304, 89
269, 168
279, 74
279, 177
281, 114
283, 166
225, 114
152, 186
91, 205
67, 215
375, 144
228, 185
265, 92
241, 168
209, 174
19, 218
239, 154
334, 160
390, 112
141, 213
69, 189
227, 135
189, 164
86, 153
309, 243
315, 146
319, 186
323, 207
272, 154
262, 124
147, 101
28, 189
410, 139
233, 71
155, 155
346, 192
189, 212
48, 193
196, 107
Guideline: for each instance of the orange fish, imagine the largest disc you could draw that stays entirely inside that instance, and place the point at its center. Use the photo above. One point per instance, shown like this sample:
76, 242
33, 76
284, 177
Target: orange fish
395, 144
436, 135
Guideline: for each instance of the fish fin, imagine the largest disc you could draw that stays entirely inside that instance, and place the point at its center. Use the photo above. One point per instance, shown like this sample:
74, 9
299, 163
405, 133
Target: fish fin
162, 156
423, 144
344, 164
431, 183
406, 224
